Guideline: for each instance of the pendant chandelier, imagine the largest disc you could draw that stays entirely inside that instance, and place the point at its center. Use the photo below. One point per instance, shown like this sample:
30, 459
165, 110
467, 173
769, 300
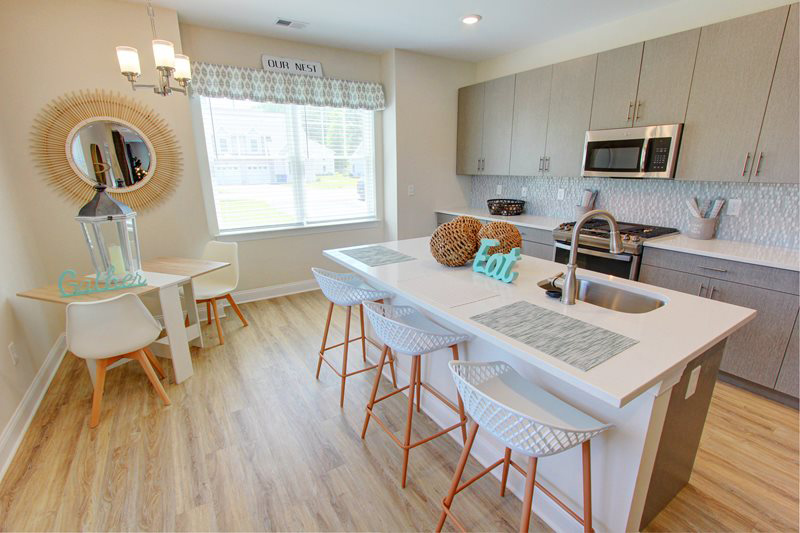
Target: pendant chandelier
168, 63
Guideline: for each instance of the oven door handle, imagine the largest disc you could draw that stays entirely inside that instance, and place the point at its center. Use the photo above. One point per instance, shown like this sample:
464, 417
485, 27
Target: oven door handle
596, 253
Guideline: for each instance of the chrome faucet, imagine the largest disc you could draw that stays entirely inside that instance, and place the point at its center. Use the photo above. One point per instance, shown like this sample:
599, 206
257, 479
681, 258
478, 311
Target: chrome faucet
569, 286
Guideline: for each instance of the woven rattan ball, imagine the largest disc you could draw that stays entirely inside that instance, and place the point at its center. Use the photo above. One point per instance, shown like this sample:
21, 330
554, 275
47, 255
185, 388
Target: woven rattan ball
506, 233
469, 224
455, 243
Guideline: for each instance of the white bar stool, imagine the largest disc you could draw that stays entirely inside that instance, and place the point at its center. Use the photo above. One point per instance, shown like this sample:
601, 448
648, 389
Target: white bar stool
110, 330
347, 290
407, 331
527, 419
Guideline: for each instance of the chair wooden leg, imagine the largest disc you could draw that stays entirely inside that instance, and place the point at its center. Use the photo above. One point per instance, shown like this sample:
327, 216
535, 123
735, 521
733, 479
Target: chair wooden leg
371, 402
153, 361
391, 368
527, 502
324, 338
419, 385
407, 440
345, 349
587, 487
151, 375
463, 416
462, 462
97, 397
216, 319
363, 338
236, 309
506, 463
208, 312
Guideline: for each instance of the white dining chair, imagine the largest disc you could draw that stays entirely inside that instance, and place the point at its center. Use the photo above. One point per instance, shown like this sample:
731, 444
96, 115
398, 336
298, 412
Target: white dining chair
219, 284
109, 330
526, 419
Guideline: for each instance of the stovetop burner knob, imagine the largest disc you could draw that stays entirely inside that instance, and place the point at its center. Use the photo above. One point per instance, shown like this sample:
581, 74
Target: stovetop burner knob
635, 238
626, 237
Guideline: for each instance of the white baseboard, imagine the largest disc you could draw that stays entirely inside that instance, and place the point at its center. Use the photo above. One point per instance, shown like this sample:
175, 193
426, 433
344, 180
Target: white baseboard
15, 430
273, 291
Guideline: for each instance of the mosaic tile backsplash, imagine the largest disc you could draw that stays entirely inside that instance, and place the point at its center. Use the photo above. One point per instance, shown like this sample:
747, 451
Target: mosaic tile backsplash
770, 213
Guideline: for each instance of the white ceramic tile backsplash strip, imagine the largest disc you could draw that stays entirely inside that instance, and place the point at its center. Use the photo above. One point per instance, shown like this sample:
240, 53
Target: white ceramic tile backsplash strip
770, 213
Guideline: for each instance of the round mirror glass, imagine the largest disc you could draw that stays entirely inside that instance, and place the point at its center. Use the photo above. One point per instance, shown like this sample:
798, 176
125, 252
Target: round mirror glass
112, 153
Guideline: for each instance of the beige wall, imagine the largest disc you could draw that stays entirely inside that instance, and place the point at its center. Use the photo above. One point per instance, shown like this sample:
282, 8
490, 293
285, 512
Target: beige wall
672, 18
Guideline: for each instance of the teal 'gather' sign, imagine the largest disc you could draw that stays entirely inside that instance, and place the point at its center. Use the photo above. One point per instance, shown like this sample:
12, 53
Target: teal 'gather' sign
497, 266
69, 284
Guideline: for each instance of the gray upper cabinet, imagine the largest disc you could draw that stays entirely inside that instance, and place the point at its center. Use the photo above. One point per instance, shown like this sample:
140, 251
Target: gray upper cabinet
470, 129
789, 376
665, 79
498, 109
776, 159
615, 87
732, 77
570, 113
529, 129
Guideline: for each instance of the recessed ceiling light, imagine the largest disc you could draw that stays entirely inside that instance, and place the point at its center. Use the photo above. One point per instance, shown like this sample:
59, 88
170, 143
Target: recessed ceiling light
471, 19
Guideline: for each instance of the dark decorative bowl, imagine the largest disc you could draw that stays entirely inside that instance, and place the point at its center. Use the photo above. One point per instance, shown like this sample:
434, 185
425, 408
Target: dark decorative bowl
505, 206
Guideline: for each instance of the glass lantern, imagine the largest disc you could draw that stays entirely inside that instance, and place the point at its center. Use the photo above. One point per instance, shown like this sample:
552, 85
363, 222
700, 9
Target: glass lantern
109, 228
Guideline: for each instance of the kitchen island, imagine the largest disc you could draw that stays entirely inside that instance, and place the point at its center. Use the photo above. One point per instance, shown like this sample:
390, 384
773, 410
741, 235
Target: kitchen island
656, 392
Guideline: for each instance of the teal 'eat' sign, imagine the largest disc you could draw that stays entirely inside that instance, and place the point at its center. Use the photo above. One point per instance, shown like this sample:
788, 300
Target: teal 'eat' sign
69, 284
497, 266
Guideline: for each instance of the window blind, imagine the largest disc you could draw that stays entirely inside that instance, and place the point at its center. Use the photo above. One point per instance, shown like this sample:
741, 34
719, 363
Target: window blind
286, 165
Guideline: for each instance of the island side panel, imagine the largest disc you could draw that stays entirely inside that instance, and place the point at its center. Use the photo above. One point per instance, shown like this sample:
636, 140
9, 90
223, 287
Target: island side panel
680, 436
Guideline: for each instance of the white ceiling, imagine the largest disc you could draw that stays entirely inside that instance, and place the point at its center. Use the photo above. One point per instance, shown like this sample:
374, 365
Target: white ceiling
428, 26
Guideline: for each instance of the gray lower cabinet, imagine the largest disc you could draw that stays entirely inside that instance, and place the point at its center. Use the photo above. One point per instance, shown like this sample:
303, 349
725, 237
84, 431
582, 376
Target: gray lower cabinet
615, 87
732, 78
529, 131
538, 250
777, 159
757, 351
441, 218
469, 139
789, 376
570, 112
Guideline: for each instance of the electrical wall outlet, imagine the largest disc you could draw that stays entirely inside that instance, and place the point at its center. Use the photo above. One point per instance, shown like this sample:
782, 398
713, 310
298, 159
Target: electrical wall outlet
499, 190
734, 207
524, 192
560, 194
694, 377
12, 351
411, 190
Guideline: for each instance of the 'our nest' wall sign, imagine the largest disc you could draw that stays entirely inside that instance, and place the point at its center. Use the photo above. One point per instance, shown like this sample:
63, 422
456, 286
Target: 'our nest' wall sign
291, 66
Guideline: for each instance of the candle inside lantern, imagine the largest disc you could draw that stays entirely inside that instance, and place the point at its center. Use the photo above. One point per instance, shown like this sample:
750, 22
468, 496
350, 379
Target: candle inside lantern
115, 256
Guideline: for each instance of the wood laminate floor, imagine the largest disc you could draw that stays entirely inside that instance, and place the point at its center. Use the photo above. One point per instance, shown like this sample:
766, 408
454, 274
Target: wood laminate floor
253, 442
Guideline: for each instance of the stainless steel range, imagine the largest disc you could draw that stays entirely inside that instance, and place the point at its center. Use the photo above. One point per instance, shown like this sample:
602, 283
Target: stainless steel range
593, 246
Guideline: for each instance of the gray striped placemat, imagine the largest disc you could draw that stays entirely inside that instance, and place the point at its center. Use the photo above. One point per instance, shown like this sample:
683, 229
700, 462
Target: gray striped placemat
575, 342
377, 255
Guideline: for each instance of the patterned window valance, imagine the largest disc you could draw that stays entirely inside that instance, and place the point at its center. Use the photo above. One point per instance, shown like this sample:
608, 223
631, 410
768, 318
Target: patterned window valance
240, 83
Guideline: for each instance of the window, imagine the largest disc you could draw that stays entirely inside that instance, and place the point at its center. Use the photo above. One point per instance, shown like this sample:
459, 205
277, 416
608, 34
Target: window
302, 166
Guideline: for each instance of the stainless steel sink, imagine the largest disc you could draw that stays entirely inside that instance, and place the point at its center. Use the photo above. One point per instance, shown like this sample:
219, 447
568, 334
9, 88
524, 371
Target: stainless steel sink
610, 296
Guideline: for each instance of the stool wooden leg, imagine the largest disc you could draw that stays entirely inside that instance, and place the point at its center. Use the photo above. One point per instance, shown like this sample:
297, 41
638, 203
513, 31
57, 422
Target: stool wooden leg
154, 362
216, 319
419, 384
363, 338
97, 397
587, 487
506, 463
344, 350
391, 368
462, 462
236, 309
151, 375
530, 479
463, 416
324, 338
371, 402
208, 312
407, 440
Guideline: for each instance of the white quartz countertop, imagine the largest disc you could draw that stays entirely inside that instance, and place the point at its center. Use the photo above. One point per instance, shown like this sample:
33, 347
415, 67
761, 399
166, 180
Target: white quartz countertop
529, 221
669, 337
744, 252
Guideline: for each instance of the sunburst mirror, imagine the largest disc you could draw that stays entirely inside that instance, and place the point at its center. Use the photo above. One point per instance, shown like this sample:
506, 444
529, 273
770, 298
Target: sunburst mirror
89, 136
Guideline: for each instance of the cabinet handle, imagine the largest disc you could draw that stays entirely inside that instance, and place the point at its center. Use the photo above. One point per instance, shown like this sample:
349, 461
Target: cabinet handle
715, 269
746, 160
630, 108
700, 290
638, 108
541, 163
758, 163
713, 289
547, 163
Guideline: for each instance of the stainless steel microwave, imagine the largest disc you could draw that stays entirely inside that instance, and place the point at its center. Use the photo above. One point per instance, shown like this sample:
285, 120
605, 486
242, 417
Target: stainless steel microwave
644, 152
